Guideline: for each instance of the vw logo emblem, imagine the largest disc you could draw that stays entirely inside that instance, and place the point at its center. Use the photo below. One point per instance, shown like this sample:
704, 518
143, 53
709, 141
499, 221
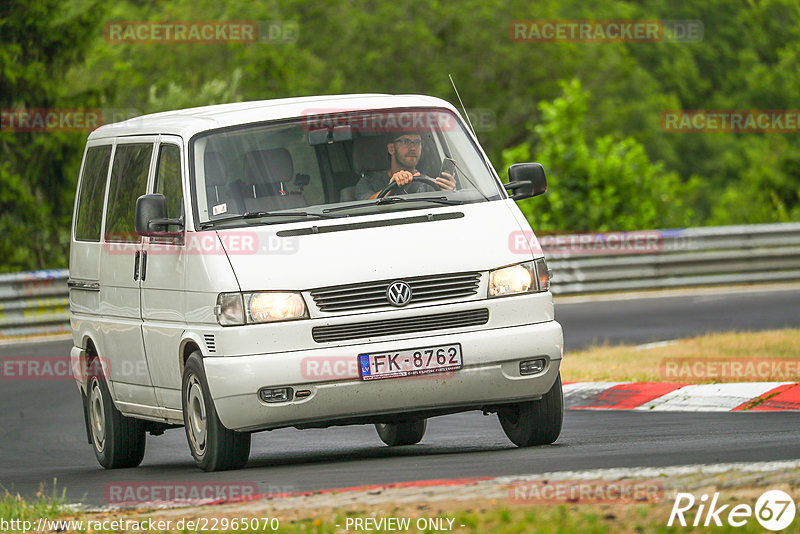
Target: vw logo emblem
398, 293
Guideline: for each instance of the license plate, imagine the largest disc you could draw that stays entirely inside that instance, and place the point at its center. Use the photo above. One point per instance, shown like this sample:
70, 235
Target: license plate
410, 362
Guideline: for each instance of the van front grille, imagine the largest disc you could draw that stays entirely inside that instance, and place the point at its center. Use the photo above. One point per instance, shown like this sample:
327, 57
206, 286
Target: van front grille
373, 294
407, 325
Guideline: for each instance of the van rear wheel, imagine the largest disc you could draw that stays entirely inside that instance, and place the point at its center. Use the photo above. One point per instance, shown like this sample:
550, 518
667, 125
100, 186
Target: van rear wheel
214, 447
404, 433
535, 422
118, 441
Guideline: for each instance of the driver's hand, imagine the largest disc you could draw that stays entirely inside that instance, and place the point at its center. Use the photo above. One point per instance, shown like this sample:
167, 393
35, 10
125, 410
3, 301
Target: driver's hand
446, 182
403, 177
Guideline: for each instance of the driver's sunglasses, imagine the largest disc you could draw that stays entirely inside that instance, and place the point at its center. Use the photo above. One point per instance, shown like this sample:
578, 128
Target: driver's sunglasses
406, 142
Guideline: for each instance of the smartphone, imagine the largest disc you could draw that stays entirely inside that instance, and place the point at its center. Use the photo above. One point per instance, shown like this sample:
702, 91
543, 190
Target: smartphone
448, 166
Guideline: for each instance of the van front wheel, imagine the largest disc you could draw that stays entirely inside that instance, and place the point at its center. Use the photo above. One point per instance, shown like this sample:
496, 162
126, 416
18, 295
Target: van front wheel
118, 441
404, 433
214, 447
535, 422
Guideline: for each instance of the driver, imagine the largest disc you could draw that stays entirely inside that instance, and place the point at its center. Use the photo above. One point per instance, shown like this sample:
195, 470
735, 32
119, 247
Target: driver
404, 154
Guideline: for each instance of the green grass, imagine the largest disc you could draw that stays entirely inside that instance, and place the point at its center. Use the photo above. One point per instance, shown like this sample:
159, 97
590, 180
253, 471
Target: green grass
495, 518
543, 519
628, 363
42, 505
500, 520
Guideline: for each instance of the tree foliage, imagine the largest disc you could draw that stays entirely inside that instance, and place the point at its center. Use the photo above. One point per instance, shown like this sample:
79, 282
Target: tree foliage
39, 43
590, 112
600, 184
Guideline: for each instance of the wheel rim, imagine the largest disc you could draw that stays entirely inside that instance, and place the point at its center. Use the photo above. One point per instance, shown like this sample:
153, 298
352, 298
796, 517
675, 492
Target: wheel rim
196, 415
97, 416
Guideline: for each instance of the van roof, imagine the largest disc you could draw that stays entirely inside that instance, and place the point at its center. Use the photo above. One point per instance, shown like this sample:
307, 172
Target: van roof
188, 122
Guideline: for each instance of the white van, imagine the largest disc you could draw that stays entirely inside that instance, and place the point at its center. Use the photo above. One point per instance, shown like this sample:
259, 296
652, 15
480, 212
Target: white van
305, 263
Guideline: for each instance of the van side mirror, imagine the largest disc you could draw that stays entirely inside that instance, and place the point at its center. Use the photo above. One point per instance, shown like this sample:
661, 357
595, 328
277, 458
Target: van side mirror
151, 216
526, 180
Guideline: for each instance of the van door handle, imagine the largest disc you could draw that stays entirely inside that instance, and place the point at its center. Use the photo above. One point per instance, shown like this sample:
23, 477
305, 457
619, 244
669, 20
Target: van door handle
144, 265
136, 266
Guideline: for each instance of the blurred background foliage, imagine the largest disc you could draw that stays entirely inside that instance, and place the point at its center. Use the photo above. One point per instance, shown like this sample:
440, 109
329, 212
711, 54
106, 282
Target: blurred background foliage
590, 112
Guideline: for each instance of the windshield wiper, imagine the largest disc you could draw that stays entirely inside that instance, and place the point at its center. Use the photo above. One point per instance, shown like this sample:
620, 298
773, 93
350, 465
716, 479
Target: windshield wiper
437, 200
260, 214
393, 200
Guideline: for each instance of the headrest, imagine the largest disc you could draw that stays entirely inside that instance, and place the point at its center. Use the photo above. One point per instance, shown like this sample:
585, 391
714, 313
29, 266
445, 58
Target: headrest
215, 170
369, 154
268, 166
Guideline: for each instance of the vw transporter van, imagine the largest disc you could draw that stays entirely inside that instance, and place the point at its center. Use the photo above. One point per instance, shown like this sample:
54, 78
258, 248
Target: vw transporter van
306, 263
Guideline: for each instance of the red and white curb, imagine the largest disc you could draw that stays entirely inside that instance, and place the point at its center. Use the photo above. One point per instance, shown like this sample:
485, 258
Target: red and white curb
667, 396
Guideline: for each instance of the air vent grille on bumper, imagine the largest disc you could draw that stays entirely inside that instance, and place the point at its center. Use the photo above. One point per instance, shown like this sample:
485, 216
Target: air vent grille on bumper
211, 343
389, 327
373, 294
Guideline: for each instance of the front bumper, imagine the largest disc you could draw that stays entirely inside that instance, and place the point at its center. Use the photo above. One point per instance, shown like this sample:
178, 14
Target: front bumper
490, 376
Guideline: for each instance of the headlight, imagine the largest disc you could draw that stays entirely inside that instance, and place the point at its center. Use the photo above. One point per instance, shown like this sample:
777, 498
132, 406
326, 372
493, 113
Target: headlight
531, 276
259, 307
267, 307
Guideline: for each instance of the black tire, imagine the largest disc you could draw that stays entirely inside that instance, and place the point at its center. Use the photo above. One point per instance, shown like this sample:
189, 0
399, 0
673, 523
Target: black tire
535, 422
404, 433
213, 447
118, 441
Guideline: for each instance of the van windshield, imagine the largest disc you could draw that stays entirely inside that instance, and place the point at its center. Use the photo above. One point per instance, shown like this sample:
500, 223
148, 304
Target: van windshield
336, 164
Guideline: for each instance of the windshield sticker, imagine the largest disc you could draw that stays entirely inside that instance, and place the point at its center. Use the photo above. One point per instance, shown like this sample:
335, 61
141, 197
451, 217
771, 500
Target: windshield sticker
220, 209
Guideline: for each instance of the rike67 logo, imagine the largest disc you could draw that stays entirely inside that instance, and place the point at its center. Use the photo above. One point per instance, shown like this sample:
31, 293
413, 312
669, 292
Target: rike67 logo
774, 510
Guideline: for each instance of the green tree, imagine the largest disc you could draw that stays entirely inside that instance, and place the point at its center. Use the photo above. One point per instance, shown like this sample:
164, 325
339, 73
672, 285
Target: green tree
608, 183
54, 54
39, 41
768, 189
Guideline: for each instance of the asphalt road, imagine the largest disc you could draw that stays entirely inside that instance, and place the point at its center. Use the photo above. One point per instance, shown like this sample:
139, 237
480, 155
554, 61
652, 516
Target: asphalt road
42, 436
650, 319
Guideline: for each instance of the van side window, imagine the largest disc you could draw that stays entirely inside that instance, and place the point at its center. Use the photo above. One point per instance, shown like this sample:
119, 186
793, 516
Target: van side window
168, 179
93, 190
128, 182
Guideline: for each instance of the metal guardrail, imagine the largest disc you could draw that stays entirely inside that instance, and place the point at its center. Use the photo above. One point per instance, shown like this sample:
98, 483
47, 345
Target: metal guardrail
37, 302
708, 256
34, 303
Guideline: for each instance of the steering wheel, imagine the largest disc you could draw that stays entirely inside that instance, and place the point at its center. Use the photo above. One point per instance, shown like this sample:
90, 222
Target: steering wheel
419, 180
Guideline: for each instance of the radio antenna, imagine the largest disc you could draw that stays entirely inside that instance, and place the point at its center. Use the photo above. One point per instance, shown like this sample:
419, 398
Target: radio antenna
462, 106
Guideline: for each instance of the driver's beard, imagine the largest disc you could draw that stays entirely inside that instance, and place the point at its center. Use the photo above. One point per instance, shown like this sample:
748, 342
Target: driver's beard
403, 165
